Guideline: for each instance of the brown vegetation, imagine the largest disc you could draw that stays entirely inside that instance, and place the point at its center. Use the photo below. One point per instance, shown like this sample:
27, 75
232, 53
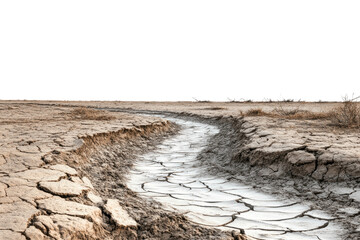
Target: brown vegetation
255, 112
347, 115
214, 108
83, 113
287, 113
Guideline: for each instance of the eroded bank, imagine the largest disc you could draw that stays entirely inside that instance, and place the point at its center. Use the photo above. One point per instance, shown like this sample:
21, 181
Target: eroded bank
222, 154
175, 176
45, 192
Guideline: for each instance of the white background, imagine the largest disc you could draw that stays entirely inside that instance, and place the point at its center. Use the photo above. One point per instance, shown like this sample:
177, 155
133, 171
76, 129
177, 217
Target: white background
176, 50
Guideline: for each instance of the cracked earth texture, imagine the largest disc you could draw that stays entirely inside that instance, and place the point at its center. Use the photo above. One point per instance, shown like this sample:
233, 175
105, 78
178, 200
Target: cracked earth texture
281, 146
308, 162
41, 197
173, 176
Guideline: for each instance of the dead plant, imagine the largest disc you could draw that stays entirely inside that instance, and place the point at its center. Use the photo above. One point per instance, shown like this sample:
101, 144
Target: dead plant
348, 114
214, 108
84, 113
281, 111
287, 114
256, 112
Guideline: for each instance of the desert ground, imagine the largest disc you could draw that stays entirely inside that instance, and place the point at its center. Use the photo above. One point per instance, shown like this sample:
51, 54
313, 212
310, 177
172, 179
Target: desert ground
178, 170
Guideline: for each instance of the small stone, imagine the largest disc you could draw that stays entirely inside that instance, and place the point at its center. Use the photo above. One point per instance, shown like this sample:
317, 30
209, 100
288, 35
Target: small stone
118, 214
319, 172
94, 198
64, 168
300, 157
59, 205
87, 182
63, 188
326, 158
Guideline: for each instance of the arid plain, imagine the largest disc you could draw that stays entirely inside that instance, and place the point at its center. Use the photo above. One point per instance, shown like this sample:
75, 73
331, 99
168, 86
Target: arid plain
178, 170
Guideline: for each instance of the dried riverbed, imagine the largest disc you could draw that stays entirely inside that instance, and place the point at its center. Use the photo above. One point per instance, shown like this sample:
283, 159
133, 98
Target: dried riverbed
173, 176
220, 181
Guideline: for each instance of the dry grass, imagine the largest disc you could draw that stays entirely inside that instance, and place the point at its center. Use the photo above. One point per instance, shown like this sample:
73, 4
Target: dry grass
307, 115
347, 115
288, 114
84, 113
214, 108
255, 112
281, 111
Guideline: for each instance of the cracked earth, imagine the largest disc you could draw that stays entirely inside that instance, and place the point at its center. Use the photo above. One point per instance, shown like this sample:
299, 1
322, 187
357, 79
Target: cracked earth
220, 175
173, 176
41, 198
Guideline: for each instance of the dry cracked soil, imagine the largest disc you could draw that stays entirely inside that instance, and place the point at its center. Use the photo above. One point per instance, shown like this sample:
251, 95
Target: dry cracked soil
138, 170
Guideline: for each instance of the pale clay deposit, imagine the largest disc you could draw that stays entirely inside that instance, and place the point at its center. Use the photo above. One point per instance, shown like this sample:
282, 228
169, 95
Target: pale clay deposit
58, 176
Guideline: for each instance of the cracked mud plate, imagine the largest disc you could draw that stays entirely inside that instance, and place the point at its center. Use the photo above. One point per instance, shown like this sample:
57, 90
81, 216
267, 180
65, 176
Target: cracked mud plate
172, 176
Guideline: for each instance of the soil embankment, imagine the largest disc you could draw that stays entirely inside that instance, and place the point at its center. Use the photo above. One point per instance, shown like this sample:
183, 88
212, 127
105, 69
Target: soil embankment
271, 170
306, 160
48, 156
174, 176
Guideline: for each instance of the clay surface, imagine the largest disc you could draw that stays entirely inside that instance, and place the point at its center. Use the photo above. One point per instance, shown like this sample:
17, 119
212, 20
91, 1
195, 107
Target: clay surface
274, 177
173, 176
45, 194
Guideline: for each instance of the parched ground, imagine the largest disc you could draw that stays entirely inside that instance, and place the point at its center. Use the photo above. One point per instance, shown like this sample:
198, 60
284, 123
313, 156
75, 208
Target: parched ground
48, 154
312, 159
282, 145
300, 147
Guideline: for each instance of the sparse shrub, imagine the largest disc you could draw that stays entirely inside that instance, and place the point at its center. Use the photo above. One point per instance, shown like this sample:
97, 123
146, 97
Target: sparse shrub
310, 115
255, 112
83, 113
347, 115
286, 112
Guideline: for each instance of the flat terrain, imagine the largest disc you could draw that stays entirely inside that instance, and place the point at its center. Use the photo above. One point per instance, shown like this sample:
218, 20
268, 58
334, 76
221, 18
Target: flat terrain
59, 165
